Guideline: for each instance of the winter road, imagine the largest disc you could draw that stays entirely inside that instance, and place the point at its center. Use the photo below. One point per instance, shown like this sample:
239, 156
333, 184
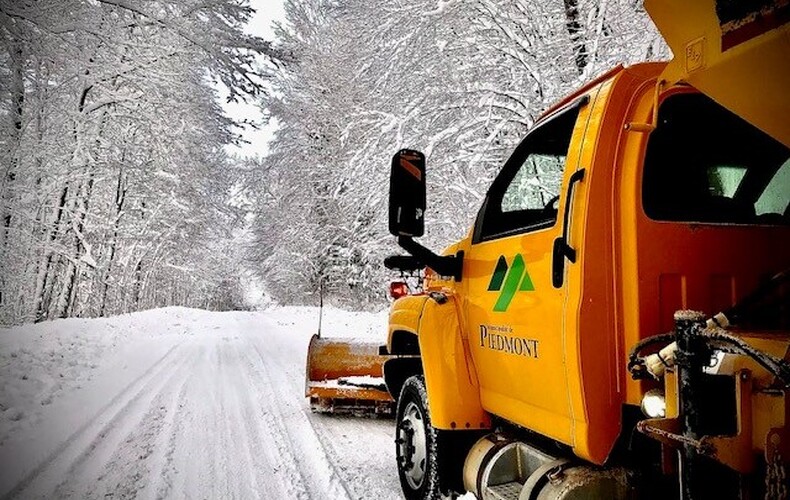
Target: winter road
213, 407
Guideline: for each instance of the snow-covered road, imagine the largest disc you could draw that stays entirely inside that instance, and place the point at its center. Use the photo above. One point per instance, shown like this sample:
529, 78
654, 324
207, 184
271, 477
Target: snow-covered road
179, 403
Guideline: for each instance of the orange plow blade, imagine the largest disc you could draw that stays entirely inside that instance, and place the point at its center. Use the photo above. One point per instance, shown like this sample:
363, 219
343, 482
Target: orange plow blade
345, 376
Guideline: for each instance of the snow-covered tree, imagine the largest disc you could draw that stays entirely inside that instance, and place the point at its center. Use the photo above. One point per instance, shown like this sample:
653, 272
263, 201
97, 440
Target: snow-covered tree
461, 80
115, 182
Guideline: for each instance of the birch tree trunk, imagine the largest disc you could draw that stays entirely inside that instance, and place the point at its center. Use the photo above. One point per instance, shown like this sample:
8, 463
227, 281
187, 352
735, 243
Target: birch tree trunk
120, 199
11, 155
80, 163
574, 27
46, 275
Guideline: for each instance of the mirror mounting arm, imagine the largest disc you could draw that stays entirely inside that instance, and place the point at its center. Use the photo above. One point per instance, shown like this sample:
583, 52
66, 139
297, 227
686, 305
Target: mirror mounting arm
444, 265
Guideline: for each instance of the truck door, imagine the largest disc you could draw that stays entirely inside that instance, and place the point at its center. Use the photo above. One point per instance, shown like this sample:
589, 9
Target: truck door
514, 314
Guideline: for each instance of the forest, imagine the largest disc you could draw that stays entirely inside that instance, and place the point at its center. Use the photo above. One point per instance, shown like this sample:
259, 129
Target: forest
119, 192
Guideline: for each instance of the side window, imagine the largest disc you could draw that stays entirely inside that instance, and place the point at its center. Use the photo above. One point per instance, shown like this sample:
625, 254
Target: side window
524, 195
536, 183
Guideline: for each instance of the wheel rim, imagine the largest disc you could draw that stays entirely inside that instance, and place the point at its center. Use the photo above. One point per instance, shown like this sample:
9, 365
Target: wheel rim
412, 450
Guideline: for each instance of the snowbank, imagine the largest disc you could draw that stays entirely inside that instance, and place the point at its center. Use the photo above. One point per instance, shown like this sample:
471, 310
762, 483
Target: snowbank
335, 322
39, 363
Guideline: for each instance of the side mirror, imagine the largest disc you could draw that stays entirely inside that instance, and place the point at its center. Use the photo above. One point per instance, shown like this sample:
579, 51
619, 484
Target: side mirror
407, 194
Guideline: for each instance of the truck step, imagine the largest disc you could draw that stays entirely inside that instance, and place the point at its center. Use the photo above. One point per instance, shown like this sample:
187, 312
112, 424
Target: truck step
505, 491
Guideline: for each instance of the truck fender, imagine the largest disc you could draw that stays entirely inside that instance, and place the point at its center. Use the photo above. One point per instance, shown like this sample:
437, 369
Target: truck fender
402, 342
397, 370
450, 374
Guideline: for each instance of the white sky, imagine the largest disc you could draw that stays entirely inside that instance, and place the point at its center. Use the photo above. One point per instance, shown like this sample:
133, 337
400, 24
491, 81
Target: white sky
267, 12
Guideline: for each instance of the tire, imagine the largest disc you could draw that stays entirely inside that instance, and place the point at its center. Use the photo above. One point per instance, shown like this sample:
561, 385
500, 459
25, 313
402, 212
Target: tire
430, 461
416, 443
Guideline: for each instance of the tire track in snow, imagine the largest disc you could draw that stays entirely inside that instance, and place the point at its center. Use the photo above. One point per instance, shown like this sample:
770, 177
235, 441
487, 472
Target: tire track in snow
221, 426
220, 449
116, 461
332, 432
219, 415
119, 450
234, 425
273, 434
85, 438
192, 448
262, 460
316, 460
137, 464
214, 370
163, 479
242, 432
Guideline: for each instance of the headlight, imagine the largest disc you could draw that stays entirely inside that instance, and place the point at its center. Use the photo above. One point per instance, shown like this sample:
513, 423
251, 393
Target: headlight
653, 404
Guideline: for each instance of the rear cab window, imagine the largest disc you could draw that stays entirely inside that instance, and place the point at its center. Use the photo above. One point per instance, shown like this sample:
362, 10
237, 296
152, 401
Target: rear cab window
705, 164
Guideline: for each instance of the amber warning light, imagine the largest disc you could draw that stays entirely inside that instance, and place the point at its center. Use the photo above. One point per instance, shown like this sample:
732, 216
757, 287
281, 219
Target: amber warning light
398, 289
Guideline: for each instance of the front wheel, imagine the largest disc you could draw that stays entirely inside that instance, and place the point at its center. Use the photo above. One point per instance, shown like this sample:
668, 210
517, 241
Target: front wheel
416, 443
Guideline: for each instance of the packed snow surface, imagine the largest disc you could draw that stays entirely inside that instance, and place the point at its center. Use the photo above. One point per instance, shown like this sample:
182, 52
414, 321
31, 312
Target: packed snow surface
182, 403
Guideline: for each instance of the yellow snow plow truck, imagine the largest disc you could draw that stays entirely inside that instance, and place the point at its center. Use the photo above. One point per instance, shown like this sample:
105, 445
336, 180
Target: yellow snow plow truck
623, 331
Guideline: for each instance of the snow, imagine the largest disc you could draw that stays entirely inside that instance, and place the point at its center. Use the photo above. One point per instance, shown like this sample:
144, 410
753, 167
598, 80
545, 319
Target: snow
181, 403
363, 381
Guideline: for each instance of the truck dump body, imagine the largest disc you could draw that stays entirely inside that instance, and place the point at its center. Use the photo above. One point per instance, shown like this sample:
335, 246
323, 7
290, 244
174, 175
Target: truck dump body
738, 53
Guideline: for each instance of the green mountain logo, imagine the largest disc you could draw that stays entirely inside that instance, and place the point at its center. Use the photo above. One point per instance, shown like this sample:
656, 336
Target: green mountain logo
507, 280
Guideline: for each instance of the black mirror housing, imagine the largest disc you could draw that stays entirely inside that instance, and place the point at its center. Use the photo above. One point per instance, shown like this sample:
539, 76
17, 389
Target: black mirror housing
407, 194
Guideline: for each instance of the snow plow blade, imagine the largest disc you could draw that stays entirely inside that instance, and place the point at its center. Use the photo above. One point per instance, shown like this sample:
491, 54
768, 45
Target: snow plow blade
345, 377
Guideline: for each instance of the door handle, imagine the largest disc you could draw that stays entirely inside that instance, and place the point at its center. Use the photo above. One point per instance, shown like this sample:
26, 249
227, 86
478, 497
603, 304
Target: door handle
562, 249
